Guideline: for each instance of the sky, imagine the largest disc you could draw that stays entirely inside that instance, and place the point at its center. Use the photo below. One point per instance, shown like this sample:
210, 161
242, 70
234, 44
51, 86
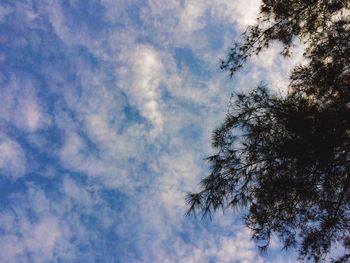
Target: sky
106, 114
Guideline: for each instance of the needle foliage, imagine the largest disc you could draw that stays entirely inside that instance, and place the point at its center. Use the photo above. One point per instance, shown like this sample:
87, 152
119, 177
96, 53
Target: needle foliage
286, 159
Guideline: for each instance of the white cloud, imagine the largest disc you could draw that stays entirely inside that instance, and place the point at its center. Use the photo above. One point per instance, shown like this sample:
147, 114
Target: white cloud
4, 12
75, 155
192, 16
109, 165
239, 248
206, 248
274, 69
32, 116
117, 10
40, 238
240, 13
61, 26
180, 24
12, 158
229, 249
21, 106
141, 76
175, 23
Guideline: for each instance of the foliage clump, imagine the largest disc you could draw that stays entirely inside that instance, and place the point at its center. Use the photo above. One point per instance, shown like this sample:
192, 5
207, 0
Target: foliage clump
286, 159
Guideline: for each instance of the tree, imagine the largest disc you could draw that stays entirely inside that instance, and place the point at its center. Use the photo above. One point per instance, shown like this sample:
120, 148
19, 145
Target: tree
286, 159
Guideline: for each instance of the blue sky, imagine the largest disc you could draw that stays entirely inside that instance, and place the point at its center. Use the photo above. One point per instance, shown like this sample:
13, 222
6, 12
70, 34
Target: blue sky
107, 108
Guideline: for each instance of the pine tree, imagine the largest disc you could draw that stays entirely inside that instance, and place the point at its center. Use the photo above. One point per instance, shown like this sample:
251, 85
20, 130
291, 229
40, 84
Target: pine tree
286, 159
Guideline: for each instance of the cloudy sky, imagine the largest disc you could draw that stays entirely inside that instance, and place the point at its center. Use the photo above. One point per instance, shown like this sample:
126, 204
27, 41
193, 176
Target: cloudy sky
106, 113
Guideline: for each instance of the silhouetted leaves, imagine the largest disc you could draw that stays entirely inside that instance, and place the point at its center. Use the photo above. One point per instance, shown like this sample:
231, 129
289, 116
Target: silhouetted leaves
287, 159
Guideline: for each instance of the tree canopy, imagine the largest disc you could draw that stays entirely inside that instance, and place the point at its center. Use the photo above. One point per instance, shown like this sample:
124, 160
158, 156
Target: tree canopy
286, 159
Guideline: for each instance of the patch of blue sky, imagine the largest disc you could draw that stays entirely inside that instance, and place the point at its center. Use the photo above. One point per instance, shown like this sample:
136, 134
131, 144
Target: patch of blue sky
186, 59
7, 189
132, 114
216, 30
82, 14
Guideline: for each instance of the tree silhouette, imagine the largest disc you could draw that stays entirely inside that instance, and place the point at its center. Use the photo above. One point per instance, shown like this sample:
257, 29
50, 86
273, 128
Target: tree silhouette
286, 159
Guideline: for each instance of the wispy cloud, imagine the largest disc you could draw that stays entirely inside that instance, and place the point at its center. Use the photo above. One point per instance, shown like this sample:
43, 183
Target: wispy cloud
12, 158
140, 77
106, 113
20, 104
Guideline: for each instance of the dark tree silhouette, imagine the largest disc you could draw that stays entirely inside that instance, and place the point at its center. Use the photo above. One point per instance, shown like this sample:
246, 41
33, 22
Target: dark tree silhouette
286, 159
